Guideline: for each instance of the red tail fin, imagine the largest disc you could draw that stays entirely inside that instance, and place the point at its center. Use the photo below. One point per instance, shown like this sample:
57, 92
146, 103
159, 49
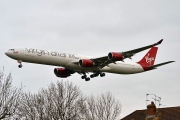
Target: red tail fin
149, 58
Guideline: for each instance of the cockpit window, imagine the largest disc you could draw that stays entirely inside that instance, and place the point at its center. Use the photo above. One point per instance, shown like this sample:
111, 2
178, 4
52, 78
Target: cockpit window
11, 49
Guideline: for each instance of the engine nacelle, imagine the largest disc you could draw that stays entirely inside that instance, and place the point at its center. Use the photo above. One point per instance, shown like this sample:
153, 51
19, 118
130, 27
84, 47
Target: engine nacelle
86, 63
63, 72
115, 56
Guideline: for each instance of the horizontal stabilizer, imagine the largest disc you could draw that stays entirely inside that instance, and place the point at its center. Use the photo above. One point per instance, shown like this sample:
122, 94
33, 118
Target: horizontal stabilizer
157, 65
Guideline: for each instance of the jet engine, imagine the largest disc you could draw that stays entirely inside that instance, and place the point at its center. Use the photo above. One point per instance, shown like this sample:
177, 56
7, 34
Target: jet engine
86, 63
115, 56
63, 72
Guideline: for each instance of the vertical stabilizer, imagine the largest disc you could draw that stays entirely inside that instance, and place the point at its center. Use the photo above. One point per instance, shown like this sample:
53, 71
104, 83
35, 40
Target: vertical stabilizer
149, 58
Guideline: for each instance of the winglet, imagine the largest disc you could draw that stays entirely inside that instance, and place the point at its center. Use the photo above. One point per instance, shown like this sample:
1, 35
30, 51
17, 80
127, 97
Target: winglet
159, 42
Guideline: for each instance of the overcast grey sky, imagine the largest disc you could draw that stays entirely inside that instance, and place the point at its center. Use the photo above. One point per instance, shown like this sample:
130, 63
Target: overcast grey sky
94, 28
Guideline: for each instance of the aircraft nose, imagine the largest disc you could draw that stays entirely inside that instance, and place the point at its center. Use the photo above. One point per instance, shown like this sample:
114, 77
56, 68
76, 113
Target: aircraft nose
7, 53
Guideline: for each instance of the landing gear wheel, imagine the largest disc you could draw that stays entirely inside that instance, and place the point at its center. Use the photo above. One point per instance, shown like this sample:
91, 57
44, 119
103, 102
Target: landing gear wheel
20, 63
96, 74
92, 75
84, 76
20, 66
102, 74
87, 79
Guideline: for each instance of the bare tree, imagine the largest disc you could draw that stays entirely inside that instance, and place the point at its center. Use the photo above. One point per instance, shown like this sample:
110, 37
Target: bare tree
64, 101
59, 102
103, 107
9, 97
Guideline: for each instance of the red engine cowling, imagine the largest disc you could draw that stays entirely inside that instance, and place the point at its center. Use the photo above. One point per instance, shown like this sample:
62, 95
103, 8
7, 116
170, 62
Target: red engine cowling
115, 56
63, 72
86, 63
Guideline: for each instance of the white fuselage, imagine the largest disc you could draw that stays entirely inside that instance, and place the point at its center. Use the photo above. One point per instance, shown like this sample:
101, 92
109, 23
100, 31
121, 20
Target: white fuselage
68, 61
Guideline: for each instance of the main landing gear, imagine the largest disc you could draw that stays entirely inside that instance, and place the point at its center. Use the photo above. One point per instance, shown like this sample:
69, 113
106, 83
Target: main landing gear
85, 77
102, 74
96, 74
20, 63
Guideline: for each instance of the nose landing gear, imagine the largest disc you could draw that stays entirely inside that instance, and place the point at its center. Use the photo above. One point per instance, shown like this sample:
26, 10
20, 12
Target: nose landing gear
20, 63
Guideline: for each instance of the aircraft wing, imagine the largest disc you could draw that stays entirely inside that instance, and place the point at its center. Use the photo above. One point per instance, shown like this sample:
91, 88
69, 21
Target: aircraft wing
130, 53
103, 61
157, 65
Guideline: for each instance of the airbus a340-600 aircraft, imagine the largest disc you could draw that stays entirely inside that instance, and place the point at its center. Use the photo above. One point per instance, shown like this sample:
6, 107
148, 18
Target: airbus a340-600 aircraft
71, 63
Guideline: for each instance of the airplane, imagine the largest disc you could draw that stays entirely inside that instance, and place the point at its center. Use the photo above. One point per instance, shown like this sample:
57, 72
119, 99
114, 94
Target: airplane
72, 63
